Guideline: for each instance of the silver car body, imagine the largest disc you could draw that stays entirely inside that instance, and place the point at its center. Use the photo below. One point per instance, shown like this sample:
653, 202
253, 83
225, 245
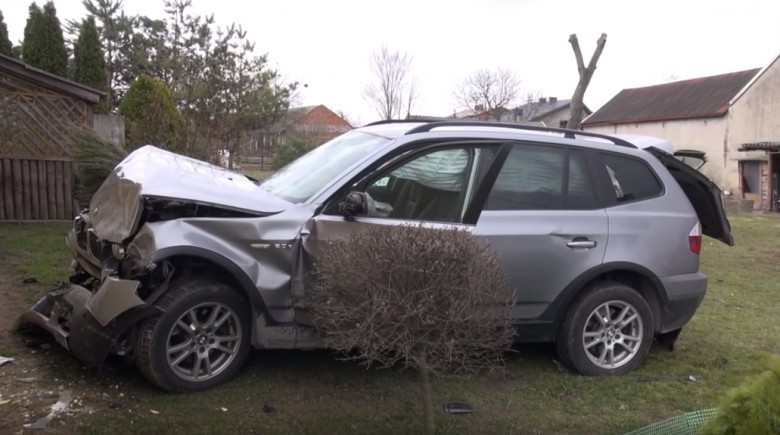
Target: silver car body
264, 243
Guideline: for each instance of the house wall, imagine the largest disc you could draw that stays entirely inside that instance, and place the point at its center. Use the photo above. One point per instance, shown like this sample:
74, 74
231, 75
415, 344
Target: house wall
110, 128
554, 119
708, 135
323, 116
321, 124
755, 116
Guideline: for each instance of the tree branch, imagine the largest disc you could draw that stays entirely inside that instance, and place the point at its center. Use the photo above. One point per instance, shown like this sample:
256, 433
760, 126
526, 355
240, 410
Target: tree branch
575, 45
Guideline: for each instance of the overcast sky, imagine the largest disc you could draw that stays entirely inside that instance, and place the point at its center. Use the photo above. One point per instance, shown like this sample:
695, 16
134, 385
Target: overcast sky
326, 44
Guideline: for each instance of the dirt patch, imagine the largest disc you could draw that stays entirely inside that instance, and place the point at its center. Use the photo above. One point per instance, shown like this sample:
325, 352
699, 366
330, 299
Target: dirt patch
42, 373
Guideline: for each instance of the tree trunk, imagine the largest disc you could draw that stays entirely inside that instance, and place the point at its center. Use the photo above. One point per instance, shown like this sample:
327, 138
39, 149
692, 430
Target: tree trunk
425, 384
585, 73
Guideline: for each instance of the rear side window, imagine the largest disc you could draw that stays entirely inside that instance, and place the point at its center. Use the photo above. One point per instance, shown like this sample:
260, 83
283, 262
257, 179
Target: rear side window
542, 178
632, 180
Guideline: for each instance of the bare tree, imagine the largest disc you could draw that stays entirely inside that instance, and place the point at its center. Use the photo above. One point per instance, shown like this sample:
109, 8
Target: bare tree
433, 300
488, 91
393, 89
353, 122
585, 73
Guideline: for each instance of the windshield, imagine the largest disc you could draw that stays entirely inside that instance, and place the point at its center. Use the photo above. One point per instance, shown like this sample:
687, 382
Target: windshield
305, 176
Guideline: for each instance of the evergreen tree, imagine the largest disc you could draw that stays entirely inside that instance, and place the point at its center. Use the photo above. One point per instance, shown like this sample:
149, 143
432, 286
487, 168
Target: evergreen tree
32, 46
89, 66
151, 115
44, 46
6, 47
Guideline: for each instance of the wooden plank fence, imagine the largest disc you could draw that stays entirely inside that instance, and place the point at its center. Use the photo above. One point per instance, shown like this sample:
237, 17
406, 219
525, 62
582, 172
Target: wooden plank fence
36, 188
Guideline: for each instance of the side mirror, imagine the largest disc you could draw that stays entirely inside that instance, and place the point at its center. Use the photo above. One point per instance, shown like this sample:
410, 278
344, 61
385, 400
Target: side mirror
354, 204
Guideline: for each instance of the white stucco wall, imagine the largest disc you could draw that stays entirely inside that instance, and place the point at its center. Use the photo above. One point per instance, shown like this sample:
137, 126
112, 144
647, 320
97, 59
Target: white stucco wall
554, 119
755, 116
708, 135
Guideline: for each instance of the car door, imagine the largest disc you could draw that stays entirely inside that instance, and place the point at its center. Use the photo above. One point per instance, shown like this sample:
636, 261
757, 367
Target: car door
542, 215
432, 186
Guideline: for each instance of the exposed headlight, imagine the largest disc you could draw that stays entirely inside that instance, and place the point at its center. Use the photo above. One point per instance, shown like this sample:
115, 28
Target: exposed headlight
118, 251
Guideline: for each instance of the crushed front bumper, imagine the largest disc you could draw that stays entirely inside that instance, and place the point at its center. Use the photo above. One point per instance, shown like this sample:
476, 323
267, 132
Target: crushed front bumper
89, 325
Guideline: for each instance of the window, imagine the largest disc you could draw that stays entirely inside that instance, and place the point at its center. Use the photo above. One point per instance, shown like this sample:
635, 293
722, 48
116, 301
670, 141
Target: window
631, 179
542, 178
436, 186
563, 123
304, 177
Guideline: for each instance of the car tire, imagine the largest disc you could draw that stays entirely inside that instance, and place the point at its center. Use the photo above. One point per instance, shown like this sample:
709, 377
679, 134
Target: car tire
201, 339
608, 330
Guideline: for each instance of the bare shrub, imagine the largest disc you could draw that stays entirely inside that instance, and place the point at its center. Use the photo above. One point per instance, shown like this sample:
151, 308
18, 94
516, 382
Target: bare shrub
433, 300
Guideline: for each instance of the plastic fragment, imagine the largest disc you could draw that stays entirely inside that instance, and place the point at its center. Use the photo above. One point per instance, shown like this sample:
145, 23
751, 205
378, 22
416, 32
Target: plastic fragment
56, 409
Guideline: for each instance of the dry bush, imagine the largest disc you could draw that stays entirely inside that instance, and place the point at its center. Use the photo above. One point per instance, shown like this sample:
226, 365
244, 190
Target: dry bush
436, 301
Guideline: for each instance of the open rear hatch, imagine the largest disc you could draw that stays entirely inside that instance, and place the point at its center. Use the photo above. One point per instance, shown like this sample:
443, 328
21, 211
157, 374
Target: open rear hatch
693, 158
705, 196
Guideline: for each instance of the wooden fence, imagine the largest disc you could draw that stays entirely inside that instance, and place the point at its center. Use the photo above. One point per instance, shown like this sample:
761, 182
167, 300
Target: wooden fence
36, 189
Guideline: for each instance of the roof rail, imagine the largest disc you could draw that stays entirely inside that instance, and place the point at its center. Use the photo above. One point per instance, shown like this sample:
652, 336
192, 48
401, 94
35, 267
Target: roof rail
396, 121
567, 133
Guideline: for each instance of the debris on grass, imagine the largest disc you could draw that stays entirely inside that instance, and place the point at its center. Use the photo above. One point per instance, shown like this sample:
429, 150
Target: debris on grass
5, 402
47, 395
457, 408
154, 411
27, 380
58, 408
5, 360
223, 409
30, 280
268, 409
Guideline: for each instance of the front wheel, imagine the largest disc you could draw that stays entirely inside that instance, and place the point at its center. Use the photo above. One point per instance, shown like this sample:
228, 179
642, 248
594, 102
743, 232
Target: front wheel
201, 340
608, 330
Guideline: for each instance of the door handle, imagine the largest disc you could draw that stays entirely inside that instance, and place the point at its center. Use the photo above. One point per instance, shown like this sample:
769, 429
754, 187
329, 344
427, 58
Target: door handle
582, 243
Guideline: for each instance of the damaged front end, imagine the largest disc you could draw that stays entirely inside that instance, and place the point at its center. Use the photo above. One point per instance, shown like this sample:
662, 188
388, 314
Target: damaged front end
115, 280
92, 315
70, 314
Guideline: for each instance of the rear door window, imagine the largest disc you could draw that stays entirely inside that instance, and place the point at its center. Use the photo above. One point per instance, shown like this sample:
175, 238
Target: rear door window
542, 178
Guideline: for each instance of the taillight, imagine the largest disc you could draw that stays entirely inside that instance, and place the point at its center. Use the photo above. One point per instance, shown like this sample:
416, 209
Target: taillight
694, 239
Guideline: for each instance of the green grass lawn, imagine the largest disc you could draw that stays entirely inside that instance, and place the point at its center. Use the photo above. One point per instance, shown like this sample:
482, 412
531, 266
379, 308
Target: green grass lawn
256, 173
313, 392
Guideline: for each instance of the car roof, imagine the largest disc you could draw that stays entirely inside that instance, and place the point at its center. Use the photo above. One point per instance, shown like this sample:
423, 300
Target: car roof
396, 128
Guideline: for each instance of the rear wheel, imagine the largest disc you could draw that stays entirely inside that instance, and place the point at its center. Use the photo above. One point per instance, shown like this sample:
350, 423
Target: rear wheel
608, 330
201, 340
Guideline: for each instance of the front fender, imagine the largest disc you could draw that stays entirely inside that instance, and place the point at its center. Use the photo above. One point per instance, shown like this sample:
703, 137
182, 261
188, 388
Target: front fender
261, 266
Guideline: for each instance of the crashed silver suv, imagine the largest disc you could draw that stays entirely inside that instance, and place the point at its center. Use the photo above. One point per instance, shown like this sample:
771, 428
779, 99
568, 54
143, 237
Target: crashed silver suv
182, 265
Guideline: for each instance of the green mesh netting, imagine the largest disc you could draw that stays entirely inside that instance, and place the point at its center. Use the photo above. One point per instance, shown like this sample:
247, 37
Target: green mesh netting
685, 424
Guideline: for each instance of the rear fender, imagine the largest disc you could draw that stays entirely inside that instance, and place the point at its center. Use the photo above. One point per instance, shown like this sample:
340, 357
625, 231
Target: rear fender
555, 313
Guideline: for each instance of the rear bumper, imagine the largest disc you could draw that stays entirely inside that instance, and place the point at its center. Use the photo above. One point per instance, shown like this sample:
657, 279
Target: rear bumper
684, 295
87, 324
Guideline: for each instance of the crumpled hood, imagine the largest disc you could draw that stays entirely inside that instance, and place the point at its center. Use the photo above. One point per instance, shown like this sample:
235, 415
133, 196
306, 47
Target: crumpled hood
152, 172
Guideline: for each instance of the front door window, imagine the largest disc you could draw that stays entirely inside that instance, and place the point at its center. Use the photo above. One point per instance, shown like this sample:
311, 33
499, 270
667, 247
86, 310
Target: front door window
435, 186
